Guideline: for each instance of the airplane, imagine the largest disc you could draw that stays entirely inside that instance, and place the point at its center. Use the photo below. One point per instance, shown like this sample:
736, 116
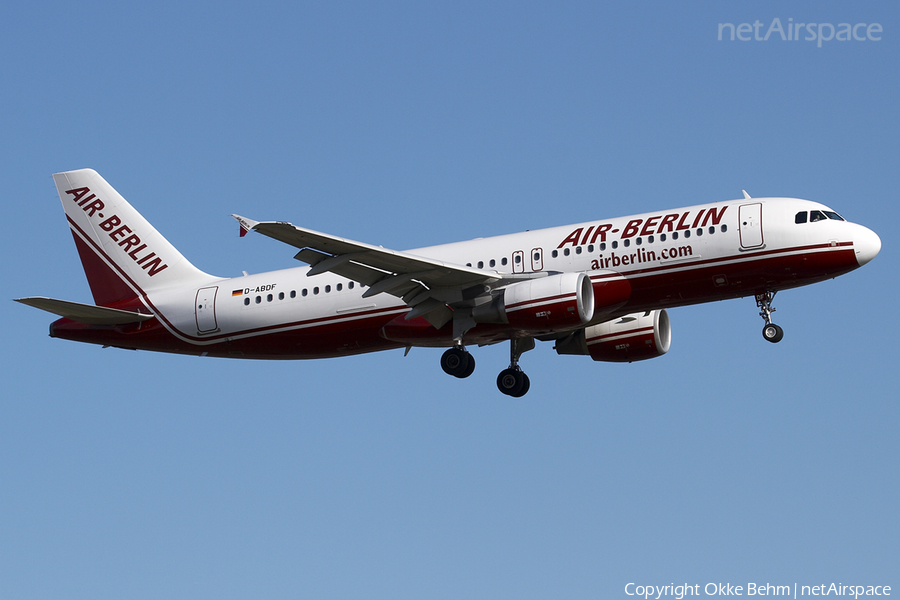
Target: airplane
598, 288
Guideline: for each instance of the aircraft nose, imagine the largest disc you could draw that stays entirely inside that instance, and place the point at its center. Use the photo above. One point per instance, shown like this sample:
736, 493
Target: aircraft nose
867, 245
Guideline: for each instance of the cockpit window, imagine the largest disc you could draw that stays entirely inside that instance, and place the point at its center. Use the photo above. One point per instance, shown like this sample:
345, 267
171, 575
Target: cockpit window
817, 215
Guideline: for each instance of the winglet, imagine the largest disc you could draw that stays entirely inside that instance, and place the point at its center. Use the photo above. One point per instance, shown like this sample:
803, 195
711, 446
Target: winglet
246, 224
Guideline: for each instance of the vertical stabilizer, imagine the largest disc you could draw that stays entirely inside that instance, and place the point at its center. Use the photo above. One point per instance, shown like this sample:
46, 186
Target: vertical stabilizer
123, 256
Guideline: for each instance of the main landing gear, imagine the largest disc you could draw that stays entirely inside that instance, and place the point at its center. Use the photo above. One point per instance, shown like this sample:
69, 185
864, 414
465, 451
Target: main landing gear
458, 362
512, 381
771, 332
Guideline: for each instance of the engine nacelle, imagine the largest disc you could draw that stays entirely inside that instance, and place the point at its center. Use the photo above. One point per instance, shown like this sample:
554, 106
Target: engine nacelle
633, 337
553, 303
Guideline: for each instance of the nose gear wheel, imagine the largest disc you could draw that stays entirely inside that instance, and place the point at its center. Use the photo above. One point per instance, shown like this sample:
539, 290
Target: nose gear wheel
771, 332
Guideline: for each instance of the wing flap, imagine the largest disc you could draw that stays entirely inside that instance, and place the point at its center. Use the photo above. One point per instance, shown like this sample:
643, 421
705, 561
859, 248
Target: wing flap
355, 271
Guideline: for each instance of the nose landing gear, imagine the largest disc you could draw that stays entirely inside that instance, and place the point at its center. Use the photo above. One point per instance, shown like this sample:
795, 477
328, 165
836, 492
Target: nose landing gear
771, 332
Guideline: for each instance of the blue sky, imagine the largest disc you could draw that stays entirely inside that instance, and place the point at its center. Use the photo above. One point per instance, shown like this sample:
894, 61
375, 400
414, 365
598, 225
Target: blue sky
126, 474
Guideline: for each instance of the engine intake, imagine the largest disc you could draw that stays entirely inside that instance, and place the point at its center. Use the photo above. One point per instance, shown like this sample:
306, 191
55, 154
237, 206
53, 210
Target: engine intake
633, 337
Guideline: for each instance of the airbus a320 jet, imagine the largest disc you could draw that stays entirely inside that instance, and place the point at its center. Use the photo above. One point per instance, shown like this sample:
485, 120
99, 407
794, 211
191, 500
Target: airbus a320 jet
599, 288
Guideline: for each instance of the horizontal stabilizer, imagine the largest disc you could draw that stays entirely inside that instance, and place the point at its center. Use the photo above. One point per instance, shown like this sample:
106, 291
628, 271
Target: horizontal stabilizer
85, 313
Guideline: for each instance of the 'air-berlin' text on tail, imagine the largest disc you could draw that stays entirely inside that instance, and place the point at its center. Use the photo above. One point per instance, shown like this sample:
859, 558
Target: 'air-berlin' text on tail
123, 256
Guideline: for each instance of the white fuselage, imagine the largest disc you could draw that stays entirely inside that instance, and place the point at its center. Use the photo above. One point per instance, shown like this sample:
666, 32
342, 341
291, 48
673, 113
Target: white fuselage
734, 247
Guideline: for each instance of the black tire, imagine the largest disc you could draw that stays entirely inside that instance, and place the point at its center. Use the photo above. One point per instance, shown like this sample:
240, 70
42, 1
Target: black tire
511, 382
772, 333
526, 385
470, 368
458, 363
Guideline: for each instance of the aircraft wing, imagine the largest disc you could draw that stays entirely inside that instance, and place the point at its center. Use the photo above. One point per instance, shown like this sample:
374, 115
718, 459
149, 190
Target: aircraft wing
431, 287
85, 313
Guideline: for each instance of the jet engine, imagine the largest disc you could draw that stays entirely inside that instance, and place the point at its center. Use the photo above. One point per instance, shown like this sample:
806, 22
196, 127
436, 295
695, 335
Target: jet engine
553, 303
633, 337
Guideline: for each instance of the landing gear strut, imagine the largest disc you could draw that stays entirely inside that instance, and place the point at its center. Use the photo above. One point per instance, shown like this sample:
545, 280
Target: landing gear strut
771, 332
458, 362
513, 381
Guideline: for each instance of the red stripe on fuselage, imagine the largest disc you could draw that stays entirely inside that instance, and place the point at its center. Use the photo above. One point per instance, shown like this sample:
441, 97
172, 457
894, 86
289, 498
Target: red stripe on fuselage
197, 345
661, 286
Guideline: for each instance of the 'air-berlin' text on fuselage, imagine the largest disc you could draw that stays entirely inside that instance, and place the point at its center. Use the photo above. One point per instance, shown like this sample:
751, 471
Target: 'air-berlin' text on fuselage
118, 232
650, 226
